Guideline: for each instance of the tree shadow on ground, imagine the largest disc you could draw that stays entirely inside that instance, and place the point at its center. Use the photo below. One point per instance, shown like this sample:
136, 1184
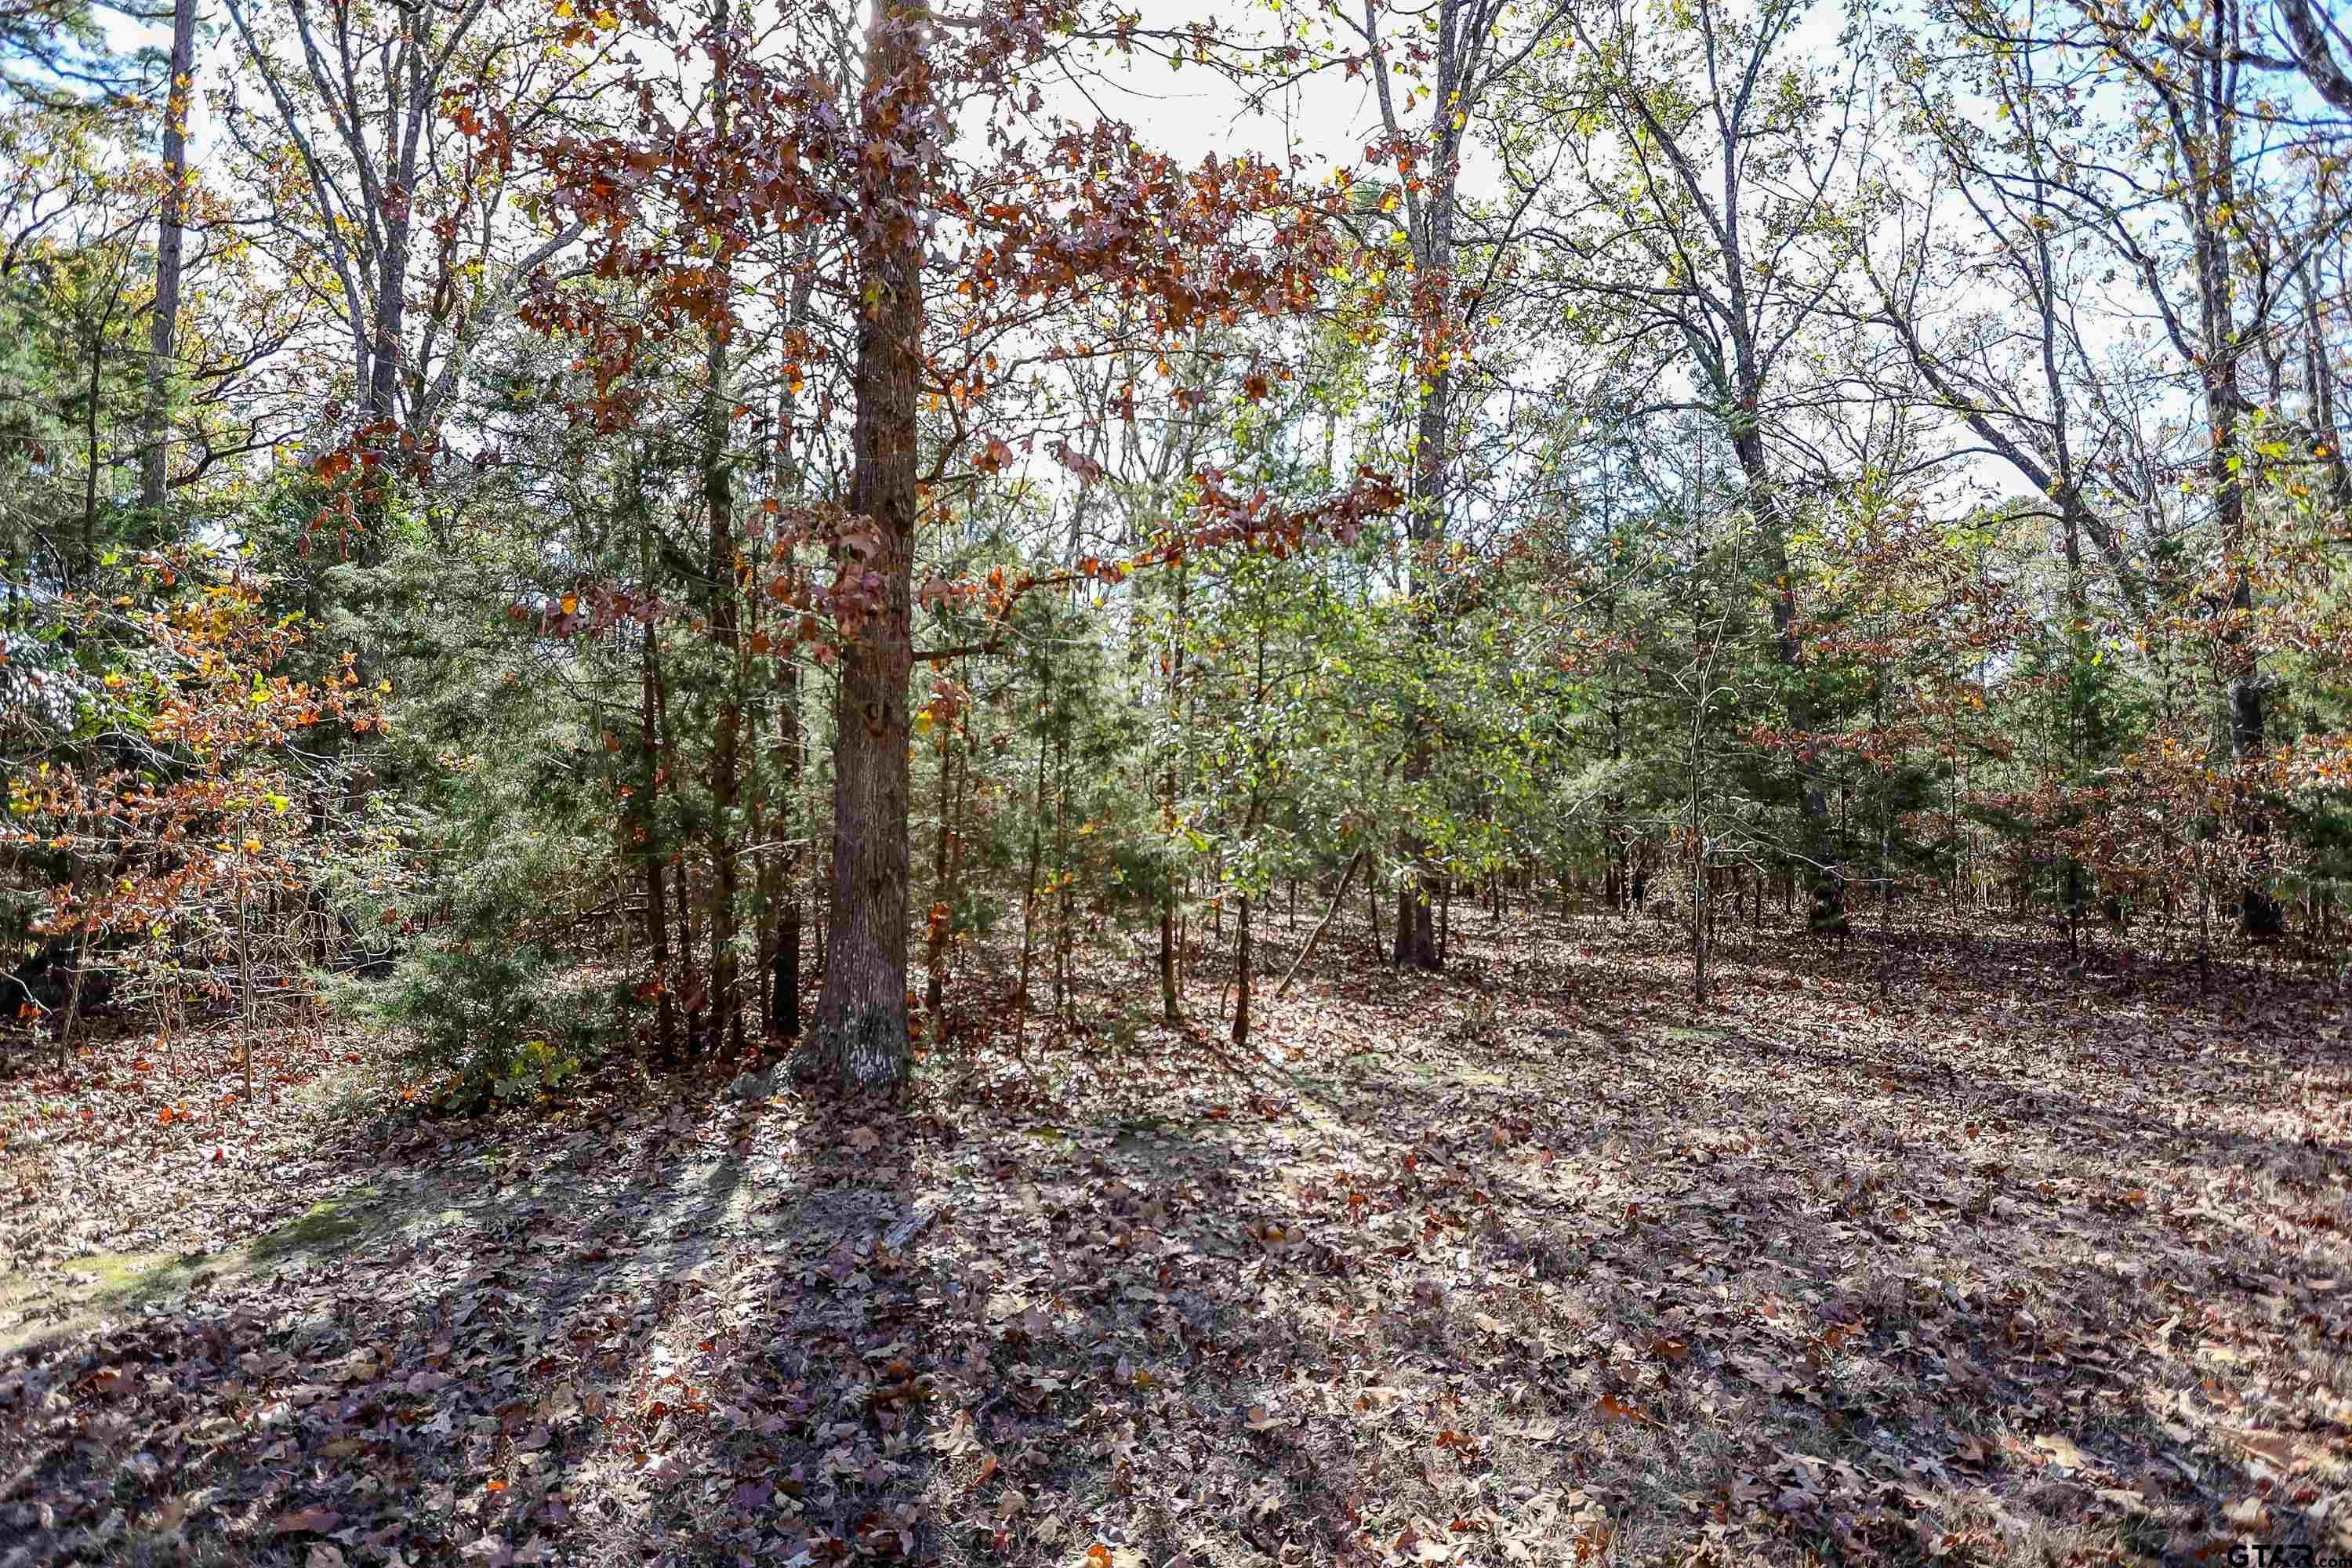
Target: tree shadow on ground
1636, 1293
448, 1358
1892, 1297
691, 1343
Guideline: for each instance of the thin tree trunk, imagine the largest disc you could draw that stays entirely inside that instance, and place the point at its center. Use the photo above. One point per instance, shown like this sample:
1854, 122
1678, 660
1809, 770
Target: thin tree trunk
790, 746
1035, 867
1242, 973
719, 503
1062, 877
670, 866
163, 319
648, 844
90, 446
1171, 1007
942, 912
1320, 926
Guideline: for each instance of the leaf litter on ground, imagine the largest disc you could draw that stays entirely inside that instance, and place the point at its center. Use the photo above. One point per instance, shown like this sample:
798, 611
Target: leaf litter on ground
1533, 1263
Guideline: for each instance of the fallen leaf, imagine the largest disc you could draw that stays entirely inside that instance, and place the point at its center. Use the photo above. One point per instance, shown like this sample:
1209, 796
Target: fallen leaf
2063, 1451
2247, 1513
306, 1522
2273, 1448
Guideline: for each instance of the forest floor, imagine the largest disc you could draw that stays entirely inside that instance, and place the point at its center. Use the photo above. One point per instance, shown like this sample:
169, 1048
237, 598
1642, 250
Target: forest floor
1532, 1263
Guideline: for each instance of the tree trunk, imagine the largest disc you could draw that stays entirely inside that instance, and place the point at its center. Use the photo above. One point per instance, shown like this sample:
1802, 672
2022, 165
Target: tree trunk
718, 505
943, 914
1034, 869
648, 844
785, 1010
860, 1040
792, 744
1171, 1010
1242, 973
1416, 924
1433, 247
89, 563
1827, 913
163, 319
1316, 934
1062, 877
2260, 912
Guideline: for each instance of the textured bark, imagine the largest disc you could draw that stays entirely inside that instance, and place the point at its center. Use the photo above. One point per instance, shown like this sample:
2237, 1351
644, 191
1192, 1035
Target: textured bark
940, 927
1464, 33
656, 898
1416, 943
163, 319
784, 975
1172, 1009
718, 506
1242, 973
860, 1039
1035, 864
2327, 444
2212, 199
784, 1010
1062, 892
2318, 61
1169, 1012
1416, 924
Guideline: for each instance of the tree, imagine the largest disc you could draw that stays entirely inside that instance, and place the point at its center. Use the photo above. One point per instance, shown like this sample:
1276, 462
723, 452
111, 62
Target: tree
171, 230
362, 157
1698, 246
2192, 137
55, 54
1076, 216
153, 807
1473, 48
860, 1039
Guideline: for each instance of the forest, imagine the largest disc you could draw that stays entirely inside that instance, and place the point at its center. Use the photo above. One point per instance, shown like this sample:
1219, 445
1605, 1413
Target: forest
1193, 785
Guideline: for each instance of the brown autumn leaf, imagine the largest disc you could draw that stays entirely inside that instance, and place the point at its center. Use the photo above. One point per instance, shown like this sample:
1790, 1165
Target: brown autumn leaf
1610, 1408
2274, 1448
2062, 1450
306, 1522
